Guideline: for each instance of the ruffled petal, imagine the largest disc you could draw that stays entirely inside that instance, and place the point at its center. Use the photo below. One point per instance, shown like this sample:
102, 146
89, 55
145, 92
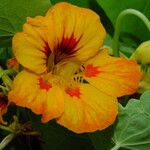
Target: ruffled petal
87, 109
74, 32
38, 94
66, 30
30, 46
114, 76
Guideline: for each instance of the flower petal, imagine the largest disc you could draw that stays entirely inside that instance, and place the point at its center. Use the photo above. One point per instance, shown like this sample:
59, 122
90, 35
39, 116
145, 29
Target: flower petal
30, 46
66, 30
115, 76
38, 94
71, 31
87, 109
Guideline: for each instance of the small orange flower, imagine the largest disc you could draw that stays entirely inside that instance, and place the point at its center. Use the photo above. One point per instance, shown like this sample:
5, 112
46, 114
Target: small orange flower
66, 76
12, 63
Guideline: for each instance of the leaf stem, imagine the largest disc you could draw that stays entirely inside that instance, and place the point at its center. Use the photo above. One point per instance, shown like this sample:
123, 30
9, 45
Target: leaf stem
119, 23
116, 147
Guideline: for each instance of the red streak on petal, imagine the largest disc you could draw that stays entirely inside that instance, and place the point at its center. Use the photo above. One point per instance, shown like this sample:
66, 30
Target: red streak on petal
44, 85
67, 47
73, 92
47, 49
91, 71
68, 44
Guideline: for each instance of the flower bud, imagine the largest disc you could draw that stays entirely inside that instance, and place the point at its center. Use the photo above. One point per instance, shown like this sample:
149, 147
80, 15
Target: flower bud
142, 53
12, 63
145, 82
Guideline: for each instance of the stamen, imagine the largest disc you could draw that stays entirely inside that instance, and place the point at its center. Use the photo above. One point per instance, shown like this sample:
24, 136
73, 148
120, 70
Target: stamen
50, 62
78, 79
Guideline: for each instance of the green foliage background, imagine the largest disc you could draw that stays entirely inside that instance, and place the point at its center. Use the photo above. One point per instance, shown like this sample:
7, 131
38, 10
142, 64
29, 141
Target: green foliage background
132, 128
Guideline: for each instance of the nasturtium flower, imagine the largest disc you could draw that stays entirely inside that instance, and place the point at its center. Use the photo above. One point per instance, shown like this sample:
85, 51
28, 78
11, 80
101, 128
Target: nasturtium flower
66, 75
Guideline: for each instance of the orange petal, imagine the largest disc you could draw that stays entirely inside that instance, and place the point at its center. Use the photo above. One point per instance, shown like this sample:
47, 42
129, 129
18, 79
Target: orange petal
114, 76
38, 94
87, 109
30, 46
67, 30
71, 31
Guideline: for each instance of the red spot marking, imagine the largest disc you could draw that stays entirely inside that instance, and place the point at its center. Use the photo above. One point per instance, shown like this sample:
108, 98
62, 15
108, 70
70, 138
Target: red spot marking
3, 102
44, 85
91, 71
73, 92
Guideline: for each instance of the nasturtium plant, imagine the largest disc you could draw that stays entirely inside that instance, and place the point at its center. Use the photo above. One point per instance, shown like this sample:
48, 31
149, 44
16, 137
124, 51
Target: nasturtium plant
72, 77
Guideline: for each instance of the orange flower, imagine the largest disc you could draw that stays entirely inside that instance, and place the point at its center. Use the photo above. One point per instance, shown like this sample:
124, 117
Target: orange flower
66, 76
12, 63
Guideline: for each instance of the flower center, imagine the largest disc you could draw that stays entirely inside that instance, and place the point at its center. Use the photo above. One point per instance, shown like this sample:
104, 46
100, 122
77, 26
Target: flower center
63, 50
67, 69
66, 74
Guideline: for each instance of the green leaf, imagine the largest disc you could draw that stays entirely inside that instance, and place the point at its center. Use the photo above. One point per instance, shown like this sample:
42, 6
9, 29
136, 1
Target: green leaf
83, 3
13, 15
133, 125
5, 53
131, 25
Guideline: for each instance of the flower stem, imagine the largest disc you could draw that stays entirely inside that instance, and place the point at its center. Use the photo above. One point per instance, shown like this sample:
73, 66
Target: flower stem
4, 75
7, 72
6, 128
7, 81
4, 89
6, 141
119, 23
